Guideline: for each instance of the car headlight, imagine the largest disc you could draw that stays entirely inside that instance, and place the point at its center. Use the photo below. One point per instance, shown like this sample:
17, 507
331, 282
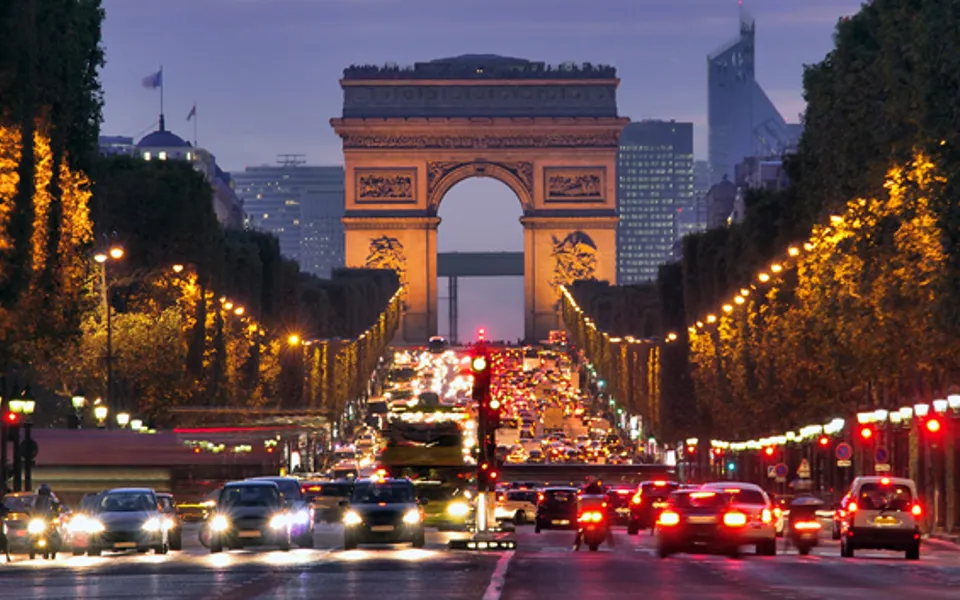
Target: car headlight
94, 526
301, 518
278, 521
36, 526
153, 525
412, 517
219, 523
351, 518
458, 509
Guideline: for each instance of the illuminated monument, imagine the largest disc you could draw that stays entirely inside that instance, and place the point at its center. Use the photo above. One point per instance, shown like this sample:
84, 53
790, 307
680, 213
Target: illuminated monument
549, 133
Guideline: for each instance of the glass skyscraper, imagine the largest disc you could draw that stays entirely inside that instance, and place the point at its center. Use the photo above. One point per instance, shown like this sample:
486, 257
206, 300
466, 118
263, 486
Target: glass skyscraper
654, 181
302, 206
742, 120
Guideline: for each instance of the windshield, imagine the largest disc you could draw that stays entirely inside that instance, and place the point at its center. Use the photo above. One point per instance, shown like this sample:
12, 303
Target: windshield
250, 495
390, 493
699, 500
891, 497
19, 504
746, 496
651, 490
128, 502
559, 497
290, 488
435, 492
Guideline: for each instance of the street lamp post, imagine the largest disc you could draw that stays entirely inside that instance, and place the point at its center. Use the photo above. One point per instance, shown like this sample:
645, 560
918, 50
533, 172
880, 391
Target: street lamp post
100, 413
78, 401
123, 419
23, 454
112, 252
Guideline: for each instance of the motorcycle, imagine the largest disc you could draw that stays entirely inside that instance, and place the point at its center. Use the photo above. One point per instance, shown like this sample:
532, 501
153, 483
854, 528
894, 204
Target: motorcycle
43, 537
803, 528
592, 529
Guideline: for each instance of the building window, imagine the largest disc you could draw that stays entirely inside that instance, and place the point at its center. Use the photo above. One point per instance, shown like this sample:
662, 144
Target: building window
146, 156
162, 155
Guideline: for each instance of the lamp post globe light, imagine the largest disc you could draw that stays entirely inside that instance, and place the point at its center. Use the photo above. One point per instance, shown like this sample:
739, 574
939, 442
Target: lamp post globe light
110, 250
123, 419
100, 412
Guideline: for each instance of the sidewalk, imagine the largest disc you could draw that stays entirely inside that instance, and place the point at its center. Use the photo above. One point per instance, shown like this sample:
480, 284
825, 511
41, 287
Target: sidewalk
942, 536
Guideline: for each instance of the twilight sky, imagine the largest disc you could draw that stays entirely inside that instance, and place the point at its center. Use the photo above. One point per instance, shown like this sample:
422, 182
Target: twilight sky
264, 76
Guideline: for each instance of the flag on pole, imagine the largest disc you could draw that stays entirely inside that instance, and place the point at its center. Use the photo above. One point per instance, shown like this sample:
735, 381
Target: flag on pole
154, 81
192, 113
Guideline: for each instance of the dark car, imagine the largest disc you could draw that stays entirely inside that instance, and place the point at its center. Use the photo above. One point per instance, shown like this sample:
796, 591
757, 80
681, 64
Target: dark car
696, 520
556, 509
383, 511
250, 513
168, 507
301, 511
128, 519
325, 497
618, 504
645, 506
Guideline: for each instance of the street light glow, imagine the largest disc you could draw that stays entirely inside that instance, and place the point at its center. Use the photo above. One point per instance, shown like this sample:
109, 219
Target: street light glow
100, 257
293, 339
116, 253
238, 311
177, 268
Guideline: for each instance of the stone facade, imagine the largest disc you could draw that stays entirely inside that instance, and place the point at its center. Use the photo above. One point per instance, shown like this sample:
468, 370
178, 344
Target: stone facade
561, 168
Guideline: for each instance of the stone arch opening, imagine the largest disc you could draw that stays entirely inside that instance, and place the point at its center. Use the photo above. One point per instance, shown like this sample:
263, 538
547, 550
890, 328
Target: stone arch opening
480, 261
443, 176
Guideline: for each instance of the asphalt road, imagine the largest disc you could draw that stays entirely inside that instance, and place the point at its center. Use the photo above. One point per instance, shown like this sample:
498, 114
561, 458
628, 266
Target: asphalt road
544, 566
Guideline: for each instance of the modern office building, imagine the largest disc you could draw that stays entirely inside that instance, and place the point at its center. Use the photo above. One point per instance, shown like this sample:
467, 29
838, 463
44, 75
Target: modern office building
720, 203
742, 120
654, 181
302, 206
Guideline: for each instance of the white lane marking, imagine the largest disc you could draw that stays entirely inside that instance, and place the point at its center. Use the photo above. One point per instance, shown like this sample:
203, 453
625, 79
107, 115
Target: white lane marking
498, 579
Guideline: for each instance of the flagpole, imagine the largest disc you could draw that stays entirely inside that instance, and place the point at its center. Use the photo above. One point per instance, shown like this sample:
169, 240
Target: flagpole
161, 91
195, 124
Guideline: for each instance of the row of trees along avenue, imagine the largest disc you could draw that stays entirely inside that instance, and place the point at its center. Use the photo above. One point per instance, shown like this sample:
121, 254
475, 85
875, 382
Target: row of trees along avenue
202, 316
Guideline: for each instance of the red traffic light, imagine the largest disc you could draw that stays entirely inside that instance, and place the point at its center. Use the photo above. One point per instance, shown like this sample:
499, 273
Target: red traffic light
481, 334
824, 441
11, 418
479, 364
494, 404
933, 425
717, 452
768, 450
866, 433
691, 449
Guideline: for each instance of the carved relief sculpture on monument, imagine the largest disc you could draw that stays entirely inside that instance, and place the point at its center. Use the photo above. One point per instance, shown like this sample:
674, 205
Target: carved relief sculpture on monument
386, 185
575, 258
387, 253
574, 184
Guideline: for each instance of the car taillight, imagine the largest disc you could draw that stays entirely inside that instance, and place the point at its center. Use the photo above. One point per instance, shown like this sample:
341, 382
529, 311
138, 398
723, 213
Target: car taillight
591, 517
637, 499
765, 515
916, 510
807, 526
852, 507
777, 512
668, 518
734, 519
502, 498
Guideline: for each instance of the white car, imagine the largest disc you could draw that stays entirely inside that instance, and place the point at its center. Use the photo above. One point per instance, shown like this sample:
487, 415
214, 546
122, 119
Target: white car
882, 513
750, 499
519, 506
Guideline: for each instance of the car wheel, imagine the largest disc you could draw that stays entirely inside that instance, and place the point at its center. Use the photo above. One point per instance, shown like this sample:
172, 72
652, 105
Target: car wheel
520, 518
216, 547
306, 541
914, 553
285, 543
32, 555
536, 527
767, 548
421, 540
78, 552
176, 542
836, 532
734, 552
349, 542
633, 528
94, 551
846, 548
161, 549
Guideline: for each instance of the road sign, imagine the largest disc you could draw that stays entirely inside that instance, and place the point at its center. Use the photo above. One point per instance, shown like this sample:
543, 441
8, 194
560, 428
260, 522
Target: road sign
882, 468
844, 463
803, 471
881, 456
844, 451
771, 471
781, 470
29, 449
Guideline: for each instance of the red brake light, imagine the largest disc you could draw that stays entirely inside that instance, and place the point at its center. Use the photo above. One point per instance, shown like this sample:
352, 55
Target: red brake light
591, 517
777, 512
885, 481
668, 518
766, 516
699, 495
916, 510
637, 498
807, 526
660, 483
735, 519
852, 507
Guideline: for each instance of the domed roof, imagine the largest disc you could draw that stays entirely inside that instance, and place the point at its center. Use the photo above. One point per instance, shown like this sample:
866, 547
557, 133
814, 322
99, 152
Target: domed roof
162, 139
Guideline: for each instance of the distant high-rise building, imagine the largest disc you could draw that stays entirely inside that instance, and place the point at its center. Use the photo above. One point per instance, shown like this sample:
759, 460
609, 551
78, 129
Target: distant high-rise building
741, 118
654, 181
720, 201
302, 206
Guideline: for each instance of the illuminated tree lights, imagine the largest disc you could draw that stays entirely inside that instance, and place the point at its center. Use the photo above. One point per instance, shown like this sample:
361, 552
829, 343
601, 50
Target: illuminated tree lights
854, 304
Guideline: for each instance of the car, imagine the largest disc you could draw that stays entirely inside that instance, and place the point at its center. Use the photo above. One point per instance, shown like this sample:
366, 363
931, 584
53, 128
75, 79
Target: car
169, 508
18, 521
78, 523
646, 504
618, 504
127, 519
751, 500
700, 519
325, 497
383, 511
883, 513
519, 506
302, 519
250, 513
556, 509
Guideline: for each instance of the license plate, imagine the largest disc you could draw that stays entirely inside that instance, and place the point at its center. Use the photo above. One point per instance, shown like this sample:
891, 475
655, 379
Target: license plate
378, 528
701, 520
886, 521
659, 504
561, 522
249, 534
19, 534
125, 545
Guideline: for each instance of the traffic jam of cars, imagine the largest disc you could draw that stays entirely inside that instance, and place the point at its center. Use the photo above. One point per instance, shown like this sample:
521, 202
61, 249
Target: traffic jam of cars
409, 468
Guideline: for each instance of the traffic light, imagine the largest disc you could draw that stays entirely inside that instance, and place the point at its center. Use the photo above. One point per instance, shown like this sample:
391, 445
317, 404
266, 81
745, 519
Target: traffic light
866, 434
11, 419
480, 367
934, 426
824, 441
768, 451
718, 452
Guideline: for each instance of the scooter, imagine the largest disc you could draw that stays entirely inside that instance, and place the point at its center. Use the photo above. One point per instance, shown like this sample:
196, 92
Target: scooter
43, 537
592, 530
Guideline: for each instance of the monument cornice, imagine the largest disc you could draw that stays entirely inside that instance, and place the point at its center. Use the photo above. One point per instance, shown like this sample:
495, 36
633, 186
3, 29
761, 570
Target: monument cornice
566, 222
344, 83
391, 223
